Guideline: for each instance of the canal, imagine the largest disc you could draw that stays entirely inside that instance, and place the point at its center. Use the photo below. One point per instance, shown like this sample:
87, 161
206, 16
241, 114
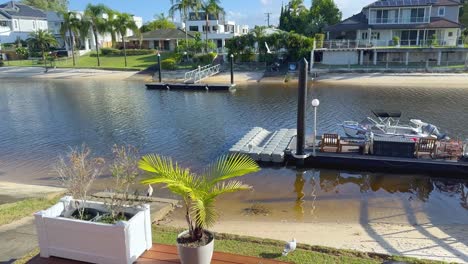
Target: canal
41, 119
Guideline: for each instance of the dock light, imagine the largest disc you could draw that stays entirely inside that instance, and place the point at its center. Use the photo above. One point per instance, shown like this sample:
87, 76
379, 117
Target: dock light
315, 104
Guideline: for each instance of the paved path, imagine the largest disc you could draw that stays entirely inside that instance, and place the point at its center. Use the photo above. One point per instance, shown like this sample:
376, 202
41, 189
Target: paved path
17, 239
66, 73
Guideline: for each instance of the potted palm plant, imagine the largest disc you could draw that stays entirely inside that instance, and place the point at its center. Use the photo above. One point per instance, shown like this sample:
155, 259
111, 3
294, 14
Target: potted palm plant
198, 192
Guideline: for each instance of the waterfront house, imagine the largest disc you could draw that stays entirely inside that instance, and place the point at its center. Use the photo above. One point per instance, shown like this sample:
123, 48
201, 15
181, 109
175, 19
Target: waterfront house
160, 39
17, 21
396, 31
219, 29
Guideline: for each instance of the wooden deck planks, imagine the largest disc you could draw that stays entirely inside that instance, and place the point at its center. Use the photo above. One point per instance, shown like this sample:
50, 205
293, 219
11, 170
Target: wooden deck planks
167, 254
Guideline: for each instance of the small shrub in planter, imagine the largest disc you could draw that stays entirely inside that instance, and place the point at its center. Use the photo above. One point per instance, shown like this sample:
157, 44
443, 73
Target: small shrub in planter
396, 41
169, 64
199, 193
319, 39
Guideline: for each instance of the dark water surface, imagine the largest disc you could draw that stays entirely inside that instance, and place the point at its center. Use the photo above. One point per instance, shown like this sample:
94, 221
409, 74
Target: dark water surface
40, 119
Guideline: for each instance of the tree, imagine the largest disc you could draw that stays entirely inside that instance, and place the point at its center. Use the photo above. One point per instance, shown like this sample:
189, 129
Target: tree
70, 25
122, 23
211, 8
199, 192
48, 5
111, 25
327, 9
160, 22
297, 7
184, 6
94, 15
42, 40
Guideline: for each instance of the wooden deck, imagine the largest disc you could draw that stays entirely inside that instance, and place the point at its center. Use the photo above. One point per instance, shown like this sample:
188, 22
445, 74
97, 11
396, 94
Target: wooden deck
166, 254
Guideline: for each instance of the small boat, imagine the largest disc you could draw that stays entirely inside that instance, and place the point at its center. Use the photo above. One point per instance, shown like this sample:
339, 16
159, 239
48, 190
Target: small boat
388, 124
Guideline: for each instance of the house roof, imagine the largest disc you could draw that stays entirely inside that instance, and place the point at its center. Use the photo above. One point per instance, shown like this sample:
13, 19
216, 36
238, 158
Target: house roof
54, 16
2, 17
401, 3
164, 34
14, 9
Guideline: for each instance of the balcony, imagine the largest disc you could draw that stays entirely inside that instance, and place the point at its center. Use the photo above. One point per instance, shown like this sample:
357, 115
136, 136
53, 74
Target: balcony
384, 44
401, 20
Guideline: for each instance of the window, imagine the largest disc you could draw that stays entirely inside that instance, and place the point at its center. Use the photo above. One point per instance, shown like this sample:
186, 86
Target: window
3, 24
34, 24
204, 28
450, 34
364, 35
441, 11
215, 28
193, 28
375, 35
417, 15
16, 24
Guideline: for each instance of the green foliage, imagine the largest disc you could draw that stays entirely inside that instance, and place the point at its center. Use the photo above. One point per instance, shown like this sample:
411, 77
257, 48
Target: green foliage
396, 40
199, 192
169, 64
160, 22
42, 40
295, 17
109, 52
319, 38
1, 63
434, 40
48, 5
22, 52
204, 59
11, 212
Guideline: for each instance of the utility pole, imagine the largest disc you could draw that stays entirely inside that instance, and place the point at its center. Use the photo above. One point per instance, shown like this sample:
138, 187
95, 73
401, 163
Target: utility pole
268, 18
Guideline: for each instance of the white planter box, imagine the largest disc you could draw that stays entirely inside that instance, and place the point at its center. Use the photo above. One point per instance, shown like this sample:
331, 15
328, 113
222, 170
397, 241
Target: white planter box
121, 243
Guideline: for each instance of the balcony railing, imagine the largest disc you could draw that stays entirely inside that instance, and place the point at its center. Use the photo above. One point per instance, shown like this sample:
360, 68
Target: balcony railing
413, 43
401, 20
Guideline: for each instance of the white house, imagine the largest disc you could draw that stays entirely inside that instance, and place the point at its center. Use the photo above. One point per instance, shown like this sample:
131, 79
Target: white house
18, 21
219, 29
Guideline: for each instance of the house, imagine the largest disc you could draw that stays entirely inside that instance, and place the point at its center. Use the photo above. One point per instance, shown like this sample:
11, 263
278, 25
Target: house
396, 31
219, 29
54, 24
161, 39
18, 21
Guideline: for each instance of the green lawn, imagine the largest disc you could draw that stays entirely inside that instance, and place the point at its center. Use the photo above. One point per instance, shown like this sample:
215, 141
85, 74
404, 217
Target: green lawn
14, 211
138, 62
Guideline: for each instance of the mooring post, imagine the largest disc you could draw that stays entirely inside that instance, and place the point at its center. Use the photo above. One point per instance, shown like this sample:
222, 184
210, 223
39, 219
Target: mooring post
301, 105
159, 66
232, 68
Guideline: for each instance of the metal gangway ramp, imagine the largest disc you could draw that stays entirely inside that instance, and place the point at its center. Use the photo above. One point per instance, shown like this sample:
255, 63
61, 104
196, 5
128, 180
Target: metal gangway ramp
201, 73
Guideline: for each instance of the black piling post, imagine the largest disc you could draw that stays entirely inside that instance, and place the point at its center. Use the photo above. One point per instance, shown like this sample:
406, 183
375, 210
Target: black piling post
232, 69
159, 66
301, 105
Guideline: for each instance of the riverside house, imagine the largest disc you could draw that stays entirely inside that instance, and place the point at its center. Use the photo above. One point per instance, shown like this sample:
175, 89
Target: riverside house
17, 21
396, 32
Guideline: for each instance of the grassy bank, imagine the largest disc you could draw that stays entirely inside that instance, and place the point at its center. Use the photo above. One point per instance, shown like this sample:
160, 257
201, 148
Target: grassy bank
137, 62
11, 212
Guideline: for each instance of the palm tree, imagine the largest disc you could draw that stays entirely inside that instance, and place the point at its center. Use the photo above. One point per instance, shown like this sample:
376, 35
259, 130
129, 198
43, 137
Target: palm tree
184, 6
123, 22
94, 15
111, 25
70, 25
42, 40
211, 7
199, 192
297, 6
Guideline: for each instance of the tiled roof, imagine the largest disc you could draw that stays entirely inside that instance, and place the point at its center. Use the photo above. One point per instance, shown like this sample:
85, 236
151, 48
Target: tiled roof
356, 22
163, 34
14, 9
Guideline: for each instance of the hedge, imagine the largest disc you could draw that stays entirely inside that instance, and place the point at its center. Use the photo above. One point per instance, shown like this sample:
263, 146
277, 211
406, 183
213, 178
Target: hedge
168, 64
204, 59
130, 52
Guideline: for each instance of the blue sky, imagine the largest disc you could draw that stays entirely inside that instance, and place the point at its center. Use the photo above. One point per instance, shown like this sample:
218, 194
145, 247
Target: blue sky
249, 12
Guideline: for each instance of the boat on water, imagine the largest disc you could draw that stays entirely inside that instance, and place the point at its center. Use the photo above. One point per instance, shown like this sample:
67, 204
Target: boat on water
388, 124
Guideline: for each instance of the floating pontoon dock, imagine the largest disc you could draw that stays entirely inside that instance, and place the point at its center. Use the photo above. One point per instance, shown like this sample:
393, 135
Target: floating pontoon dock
290, 147
190, 86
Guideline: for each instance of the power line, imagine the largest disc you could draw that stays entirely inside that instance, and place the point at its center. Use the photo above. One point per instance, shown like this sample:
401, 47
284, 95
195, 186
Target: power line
268, 18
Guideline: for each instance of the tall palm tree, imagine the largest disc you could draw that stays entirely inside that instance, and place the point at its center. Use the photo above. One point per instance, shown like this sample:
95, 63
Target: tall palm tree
42, 40
297, 6
184, 6
94, 15
111, 25
123, 22
211, 7
199, 192
70, 25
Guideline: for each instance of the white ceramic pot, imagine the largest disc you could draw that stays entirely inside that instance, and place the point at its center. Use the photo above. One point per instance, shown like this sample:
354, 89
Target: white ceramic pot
199, 255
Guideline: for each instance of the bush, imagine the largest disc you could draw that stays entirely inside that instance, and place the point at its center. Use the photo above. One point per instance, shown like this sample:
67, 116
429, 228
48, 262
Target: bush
110, 51
319, 38
1, 63
22, 52
130, 52
168, 64
204, 59
396, 41
247, 56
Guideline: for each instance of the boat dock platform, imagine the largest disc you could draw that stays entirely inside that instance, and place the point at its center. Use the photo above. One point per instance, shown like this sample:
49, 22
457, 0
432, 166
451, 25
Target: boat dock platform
190, 86
278, 148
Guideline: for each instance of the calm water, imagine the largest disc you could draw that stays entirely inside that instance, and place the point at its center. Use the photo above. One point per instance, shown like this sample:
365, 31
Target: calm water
40, 119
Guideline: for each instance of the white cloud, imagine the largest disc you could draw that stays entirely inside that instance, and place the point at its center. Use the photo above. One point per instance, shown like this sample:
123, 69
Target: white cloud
266, 2
350, 8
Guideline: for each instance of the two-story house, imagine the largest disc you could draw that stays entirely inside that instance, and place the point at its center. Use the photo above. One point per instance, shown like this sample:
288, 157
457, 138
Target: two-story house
18, 21
219, 29
396, 30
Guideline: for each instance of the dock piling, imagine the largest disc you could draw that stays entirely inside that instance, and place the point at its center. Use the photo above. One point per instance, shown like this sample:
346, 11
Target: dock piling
159, 66
232, 69
301, 105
